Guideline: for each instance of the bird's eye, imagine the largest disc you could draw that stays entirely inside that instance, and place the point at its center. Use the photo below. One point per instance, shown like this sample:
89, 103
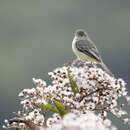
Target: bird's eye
81, 34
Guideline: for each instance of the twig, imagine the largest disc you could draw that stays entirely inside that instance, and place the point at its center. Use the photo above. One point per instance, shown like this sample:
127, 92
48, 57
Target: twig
45, 118
89, 94
30, 124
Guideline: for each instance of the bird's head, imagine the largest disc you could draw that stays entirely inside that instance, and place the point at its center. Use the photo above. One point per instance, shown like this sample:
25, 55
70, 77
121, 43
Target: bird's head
80, 34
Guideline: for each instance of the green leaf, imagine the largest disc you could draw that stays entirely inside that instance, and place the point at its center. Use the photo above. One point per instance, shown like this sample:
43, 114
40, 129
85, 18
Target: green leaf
62, 110
73, 84
48, 107
53, 109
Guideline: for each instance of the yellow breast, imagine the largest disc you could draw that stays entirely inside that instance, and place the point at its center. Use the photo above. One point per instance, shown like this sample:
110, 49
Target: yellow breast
80, 55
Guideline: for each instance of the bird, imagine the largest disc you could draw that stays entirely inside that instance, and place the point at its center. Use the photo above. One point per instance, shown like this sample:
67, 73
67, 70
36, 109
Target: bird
85, 49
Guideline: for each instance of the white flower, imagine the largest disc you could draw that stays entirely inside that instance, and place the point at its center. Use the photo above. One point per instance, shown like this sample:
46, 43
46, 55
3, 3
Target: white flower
4, 127
88, 121
6, 121
97, 91
126, 120
107, 123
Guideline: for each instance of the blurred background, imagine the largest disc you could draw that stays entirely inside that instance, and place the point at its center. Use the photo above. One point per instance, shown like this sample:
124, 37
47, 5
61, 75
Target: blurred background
36, 36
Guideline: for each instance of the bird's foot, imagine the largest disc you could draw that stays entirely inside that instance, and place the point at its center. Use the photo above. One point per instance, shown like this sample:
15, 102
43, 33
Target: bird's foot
76, 61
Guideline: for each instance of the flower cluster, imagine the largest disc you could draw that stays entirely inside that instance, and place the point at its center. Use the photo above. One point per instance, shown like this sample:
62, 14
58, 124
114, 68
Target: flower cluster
75, 89
86, 121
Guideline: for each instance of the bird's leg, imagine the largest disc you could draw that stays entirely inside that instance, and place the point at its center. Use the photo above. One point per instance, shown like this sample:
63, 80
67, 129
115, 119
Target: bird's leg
91, 64
82, 63
76, 61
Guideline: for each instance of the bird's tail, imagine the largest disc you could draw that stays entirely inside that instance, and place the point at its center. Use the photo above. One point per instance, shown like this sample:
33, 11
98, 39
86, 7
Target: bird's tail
106, 69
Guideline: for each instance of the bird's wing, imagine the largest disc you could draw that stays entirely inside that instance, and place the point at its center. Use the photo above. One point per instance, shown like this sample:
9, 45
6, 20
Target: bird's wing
88, 49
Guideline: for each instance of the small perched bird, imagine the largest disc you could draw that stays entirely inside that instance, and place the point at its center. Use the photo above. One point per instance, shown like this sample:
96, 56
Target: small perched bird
86, 50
